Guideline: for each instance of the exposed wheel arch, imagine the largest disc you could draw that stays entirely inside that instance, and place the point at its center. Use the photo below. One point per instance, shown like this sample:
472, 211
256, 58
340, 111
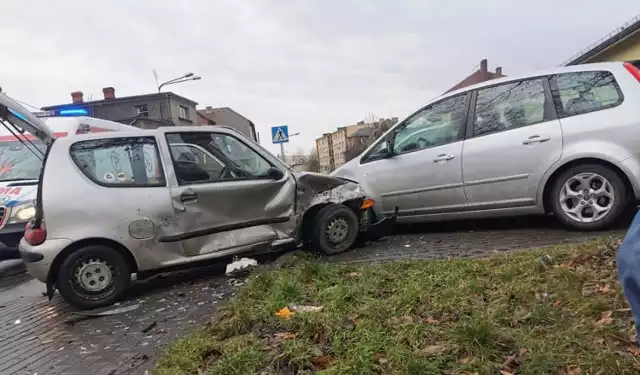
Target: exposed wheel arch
57, 262
550, 181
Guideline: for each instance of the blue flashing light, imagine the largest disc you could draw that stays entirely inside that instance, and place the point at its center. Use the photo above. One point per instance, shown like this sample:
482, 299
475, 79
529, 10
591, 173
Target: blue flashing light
73, 112
18, 115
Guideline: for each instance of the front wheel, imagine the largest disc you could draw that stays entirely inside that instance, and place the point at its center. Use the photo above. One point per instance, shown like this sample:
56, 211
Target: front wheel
93, 276
588, 197
335, 229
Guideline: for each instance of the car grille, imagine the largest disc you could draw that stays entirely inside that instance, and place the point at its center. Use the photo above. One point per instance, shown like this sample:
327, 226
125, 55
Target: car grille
3, 210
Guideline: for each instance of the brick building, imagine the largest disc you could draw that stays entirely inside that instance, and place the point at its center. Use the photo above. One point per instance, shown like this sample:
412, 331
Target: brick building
229, 117
147, 111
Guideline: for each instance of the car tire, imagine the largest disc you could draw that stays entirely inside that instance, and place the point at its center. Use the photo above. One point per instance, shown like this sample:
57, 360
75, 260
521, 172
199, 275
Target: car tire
334, 230
606, 191
105, 277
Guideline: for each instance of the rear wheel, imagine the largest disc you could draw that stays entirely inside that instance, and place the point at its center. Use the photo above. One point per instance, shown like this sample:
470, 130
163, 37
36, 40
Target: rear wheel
334, 229
93, 276
588, 197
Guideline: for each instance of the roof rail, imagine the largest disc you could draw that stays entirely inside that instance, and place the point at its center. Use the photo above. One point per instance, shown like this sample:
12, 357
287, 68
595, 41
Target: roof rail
610, 35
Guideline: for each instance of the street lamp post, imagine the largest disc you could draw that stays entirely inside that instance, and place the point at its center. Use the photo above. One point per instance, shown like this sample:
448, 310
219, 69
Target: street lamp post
282, 147
184, 78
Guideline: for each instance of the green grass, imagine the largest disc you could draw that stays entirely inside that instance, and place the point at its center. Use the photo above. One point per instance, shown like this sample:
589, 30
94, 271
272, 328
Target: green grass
511, 313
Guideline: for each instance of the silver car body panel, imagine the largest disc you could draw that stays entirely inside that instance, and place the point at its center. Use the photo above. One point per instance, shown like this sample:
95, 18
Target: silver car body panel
498, 174
157, 227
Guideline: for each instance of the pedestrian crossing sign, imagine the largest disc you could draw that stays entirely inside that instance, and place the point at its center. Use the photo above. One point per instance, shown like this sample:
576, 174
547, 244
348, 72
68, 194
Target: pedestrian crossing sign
280, 134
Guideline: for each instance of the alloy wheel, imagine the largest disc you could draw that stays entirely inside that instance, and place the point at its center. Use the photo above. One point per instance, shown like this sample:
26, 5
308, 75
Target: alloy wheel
587, 197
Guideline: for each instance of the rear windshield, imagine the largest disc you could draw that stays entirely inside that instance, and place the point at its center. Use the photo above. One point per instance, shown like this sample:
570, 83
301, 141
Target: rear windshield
19, 161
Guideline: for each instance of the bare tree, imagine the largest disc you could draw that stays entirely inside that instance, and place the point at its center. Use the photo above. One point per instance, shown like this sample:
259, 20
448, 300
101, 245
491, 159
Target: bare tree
370, 118
313, 164
356, 150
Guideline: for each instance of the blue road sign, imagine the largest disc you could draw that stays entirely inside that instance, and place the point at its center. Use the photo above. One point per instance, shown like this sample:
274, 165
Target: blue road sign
280, 134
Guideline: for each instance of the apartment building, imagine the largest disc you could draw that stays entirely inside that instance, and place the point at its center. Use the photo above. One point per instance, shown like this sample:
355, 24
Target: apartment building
324, 148
337, 148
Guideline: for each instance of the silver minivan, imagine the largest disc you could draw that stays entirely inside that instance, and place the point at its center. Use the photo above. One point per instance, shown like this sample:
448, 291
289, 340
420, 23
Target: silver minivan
143, 201
565, 141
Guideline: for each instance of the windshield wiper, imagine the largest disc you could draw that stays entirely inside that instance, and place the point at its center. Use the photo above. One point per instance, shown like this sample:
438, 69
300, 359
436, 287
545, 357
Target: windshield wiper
19, 179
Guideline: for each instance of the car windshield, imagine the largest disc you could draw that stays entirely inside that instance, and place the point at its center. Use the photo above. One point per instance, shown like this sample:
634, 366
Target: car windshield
20, 161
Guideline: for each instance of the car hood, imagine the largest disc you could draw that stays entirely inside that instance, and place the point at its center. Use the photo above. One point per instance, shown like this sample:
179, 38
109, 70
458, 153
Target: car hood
316, 188
347, 170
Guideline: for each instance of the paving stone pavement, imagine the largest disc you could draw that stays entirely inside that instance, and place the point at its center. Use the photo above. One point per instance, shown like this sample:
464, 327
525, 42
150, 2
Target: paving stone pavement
35, 337
472, 238
173, 306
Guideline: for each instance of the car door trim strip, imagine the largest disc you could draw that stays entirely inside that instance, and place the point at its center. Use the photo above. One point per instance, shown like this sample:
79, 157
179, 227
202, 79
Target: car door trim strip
222, 228
521, 176
420, 190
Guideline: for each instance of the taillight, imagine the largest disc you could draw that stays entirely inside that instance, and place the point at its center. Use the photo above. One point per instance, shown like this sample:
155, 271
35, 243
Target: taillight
35, 236
633, 70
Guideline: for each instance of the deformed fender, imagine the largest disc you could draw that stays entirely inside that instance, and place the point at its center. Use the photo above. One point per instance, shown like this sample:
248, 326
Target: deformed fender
316, 188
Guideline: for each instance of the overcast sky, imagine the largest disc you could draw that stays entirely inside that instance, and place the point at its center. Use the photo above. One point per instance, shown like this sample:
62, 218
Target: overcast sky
314, 65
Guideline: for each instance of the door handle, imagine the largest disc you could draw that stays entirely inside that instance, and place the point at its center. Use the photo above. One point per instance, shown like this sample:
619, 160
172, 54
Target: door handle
188, 196
535, 139
442, 157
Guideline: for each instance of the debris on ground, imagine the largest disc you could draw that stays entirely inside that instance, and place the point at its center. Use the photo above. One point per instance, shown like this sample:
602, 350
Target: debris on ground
306, 309
95, 313
149, 327
240, 267
107, 311
285, 313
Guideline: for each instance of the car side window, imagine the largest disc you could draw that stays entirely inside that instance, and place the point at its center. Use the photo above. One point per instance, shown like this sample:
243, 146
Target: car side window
436, 125
583, 92
191, 154
509, 106
120, 162
200, 157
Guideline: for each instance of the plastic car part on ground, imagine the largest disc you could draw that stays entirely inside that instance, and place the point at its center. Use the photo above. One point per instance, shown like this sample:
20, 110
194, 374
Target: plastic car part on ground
289, 311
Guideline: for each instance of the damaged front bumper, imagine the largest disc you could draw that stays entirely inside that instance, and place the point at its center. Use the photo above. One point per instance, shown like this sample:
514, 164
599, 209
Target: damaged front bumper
374, 229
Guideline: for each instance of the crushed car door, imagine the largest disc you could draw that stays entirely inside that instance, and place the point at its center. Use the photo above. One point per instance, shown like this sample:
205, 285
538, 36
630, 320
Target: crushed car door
227, 195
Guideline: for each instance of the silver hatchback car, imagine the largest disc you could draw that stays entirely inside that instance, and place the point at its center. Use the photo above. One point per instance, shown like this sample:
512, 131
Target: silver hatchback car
115, 203
565, 141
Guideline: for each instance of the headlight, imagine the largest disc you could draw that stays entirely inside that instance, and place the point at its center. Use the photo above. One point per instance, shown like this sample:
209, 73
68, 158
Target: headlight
22, 213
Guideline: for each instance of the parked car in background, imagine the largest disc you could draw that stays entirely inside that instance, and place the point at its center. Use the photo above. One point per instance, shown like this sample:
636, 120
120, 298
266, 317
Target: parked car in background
116, 203
565, 141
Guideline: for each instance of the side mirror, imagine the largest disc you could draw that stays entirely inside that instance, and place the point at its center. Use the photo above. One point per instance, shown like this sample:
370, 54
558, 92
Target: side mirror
275, 173
385, 149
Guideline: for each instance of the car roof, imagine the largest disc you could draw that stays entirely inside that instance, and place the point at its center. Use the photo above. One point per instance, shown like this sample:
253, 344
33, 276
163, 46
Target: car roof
148, 132
556, 70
